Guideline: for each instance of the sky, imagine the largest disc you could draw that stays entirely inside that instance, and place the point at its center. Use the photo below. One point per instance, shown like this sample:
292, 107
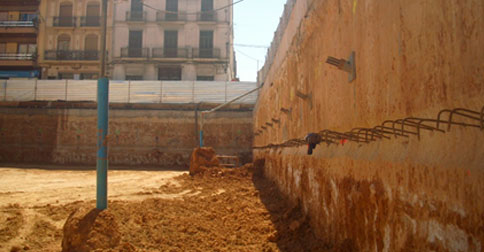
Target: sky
255, 22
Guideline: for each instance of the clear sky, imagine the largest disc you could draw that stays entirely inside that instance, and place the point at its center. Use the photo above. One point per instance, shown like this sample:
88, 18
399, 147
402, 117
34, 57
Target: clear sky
255, 22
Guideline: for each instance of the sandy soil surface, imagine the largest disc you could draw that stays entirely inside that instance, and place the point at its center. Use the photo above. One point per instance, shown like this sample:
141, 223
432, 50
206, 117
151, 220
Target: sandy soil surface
221, 210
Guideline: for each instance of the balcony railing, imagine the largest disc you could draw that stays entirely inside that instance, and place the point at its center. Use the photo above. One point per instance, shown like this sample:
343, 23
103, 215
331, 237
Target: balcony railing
207, 16
169, 53
91, 21
65, 21
71, 55
17, 23
206, 53
129, 52
17, 56
167, 16
136, 16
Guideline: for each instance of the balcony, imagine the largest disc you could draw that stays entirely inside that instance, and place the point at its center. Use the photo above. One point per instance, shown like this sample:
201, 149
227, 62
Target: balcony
71, 55
167, 16
65, 21
136, 16
207, 16
90, 21
17, 56
206, 53
18, 24
129, 52
169, 53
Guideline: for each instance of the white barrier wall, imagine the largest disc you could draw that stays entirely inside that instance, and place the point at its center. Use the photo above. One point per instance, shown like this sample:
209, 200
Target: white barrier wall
127, 91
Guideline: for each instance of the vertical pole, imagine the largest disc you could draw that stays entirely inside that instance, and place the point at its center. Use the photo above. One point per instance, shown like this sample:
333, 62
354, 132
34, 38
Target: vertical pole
104, 20
225, 92
201, 129
193, 91
129, 90
5, 90
35, 90
102, 121
65, 95
102, 147
161, 92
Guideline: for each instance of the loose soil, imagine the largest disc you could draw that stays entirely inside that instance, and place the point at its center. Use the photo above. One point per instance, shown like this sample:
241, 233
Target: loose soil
219, 210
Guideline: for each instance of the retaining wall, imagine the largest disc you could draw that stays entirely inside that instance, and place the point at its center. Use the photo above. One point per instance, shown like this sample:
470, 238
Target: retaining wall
413, 59
140, 135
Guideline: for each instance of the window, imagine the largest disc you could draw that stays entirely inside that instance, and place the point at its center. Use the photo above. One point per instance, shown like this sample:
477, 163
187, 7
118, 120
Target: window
4, 16
169, 73
90, 47
90, 43
63, 42
171, 8
205, 78
136, 10
65, 14
171, 44
92, 15
135, 44
206, 44
65, 10
207, 10
136, 5
27, 48
3, 47
207, 5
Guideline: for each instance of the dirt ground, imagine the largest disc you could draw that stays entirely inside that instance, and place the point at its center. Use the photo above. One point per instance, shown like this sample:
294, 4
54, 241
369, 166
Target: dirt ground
221, 210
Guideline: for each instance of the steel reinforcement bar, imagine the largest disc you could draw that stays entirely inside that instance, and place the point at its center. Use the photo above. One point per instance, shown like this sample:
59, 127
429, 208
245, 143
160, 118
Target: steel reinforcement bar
396, 128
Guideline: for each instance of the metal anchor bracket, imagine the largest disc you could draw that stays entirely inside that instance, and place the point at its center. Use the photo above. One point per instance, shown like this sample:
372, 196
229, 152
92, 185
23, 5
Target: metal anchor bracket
348, 66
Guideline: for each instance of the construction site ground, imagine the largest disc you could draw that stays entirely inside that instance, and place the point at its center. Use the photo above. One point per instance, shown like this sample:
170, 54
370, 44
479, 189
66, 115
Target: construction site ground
220, 210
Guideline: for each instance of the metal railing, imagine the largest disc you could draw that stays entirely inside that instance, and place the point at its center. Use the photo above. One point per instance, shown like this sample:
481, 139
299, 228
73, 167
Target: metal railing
71, 55
17, 23
90, 21
179, 92
167, 16
207, 16
130, 52
17, 56
65, 21
169, 52
206, 53
136, 16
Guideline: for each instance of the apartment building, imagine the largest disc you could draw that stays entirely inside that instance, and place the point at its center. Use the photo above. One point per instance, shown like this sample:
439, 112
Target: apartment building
69, 41
18, 39
173, 40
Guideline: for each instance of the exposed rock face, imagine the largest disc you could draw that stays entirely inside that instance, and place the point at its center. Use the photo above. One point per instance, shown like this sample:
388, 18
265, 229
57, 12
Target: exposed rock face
201, 159
88, 229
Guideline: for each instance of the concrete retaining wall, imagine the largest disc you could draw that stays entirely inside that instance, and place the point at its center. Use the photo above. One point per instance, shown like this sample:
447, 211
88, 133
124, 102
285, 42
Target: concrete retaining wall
140, 136
413, 58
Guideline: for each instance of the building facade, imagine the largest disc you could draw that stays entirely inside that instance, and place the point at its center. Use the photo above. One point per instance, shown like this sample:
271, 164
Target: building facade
18, 39
69, 41
173, 40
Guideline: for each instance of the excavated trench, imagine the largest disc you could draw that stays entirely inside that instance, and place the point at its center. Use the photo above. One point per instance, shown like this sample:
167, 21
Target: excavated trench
218, 210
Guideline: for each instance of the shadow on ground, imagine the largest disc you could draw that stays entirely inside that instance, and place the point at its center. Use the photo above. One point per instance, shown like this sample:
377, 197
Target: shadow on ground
294, 232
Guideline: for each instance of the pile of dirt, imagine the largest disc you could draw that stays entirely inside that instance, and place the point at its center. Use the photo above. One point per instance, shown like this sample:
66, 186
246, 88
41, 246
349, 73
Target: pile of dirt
89, 228
202, 159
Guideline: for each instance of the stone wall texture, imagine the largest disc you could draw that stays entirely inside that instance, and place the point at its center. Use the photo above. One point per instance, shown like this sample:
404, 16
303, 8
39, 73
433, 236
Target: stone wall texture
140, 136
413, 59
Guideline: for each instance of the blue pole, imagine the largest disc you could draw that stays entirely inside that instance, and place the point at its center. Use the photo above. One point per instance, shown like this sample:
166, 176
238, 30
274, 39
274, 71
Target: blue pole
201, 138
102, 145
